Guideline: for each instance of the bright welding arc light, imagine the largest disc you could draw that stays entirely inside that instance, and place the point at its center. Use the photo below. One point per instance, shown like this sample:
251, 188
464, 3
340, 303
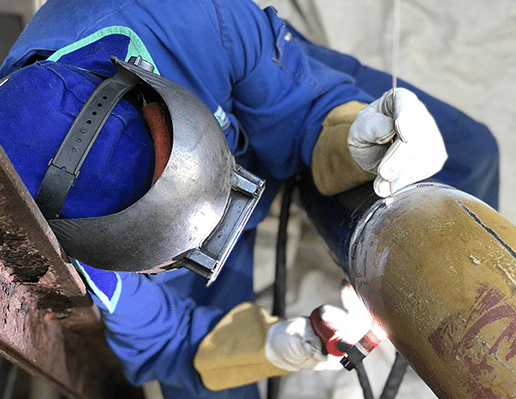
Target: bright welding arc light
371, 340
364, 347
379, 332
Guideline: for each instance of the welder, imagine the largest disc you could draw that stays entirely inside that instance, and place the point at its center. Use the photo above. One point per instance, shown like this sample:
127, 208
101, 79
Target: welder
152, 193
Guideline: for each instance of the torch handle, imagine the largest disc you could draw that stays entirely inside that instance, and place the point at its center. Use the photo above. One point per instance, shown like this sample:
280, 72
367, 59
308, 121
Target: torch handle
333, 343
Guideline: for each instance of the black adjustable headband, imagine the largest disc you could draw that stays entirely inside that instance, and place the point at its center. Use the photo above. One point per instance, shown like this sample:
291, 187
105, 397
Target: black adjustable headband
63, 169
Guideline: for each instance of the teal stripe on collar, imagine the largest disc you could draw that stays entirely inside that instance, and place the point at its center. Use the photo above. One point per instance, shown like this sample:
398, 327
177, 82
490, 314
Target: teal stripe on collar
136, 47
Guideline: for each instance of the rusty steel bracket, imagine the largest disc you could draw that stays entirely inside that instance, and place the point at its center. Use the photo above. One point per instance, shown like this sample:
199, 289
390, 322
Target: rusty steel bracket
48, 323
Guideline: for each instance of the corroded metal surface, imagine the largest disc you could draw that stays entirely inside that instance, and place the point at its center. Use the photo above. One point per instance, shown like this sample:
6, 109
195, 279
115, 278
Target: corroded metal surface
28, 249
48, 325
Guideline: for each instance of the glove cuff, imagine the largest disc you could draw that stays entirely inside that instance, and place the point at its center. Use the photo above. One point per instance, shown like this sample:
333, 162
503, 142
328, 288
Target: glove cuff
233, 353
333, 168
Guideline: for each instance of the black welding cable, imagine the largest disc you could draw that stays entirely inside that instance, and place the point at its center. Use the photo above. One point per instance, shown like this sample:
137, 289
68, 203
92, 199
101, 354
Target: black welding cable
280, 278
279, 304
364, 381
396, 375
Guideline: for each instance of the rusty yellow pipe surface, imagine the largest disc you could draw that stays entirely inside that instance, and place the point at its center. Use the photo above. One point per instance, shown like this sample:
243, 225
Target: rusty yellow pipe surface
437, 268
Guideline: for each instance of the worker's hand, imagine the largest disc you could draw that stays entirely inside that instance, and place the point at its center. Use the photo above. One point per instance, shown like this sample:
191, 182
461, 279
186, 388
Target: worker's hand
293, 344
396, 138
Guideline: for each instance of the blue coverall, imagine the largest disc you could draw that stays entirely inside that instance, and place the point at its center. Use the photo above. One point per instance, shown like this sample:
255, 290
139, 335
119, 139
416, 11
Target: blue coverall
270, 91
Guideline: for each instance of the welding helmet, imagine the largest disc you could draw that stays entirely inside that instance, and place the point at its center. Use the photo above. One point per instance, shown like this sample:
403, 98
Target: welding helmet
192, 214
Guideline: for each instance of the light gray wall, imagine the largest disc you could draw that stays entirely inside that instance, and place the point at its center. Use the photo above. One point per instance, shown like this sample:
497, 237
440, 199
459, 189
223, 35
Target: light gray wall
11, 26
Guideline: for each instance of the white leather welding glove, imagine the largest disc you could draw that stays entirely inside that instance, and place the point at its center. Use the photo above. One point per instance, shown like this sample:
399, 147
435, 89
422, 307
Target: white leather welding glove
293, 344
396, 138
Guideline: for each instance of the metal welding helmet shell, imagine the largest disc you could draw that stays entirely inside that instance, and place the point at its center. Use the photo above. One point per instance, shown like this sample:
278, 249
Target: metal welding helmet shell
190, 217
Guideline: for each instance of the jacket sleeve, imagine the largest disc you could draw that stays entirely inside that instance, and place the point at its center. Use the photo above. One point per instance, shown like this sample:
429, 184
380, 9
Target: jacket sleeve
152, 329
282, 95
159, 335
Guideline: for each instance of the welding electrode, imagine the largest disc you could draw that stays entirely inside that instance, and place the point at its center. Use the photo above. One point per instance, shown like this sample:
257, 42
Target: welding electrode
360, 350
335, 345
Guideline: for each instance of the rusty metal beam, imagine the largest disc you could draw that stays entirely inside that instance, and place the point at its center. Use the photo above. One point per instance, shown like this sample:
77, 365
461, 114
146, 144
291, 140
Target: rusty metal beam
48, 323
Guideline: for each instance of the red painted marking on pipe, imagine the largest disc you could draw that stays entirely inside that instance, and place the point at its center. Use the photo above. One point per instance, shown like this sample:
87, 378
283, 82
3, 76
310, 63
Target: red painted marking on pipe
456, 340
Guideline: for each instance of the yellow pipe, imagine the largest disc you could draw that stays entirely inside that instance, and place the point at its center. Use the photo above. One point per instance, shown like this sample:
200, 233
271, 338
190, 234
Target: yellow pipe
437, 268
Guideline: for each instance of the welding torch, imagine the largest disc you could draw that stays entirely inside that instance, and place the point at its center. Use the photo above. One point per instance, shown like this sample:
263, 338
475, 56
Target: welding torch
336, 345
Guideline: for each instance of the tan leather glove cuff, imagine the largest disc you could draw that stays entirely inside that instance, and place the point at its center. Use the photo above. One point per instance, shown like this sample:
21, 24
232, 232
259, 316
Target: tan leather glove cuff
233, 353
333, 168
